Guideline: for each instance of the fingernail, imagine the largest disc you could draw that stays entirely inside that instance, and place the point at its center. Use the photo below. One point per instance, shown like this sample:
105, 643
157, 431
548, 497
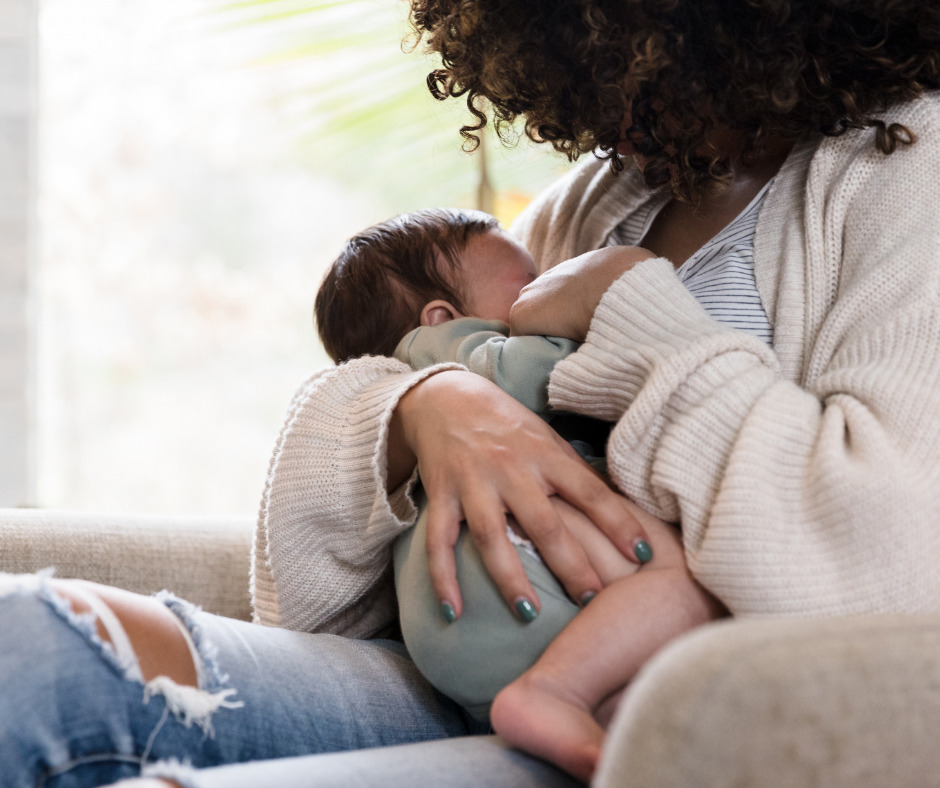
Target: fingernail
586, 597
642, 551
447, 610
526, 610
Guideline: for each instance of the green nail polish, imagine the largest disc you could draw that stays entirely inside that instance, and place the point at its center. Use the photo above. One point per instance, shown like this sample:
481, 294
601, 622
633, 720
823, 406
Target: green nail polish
447, 611
642, 551
526, 610
586, 597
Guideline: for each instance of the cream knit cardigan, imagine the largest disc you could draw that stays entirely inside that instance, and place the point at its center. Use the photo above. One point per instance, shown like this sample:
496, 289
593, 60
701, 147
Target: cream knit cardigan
806, 478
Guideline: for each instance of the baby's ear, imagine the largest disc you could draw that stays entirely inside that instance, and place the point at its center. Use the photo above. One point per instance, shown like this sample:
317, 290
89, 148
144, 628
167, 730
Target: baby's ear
437, 312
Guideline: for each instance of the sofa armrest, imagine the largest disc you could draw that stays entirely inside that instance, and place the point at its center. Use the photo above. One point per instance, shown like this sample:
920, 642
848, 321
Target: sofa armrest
773, 703
200, 559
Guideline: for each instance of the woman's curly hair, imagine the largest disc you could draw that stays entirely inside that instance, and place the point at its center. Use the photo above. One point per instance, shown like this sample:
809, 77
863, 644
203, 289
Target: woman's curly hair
683, 72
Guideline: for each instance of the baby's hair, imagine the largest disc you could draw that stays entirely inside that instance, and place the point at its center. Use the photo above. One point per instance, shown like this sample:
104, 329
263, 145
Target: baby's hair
373, 293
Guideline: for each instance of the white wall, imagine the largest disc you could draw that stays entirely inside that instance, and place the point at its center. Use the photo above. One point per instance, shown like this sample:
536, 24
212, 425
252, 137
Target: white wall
18, 101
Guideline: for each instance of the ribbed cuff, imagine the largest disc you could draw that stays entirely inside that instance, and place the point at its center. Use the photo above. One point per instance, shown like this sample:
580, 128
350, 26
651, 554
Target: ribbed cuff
329, 469
361, 405
381, 402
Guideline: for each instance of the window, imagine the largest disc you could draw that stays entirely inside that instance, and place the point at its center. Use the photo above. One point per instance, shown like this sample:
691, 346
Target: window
17, 250
192, 186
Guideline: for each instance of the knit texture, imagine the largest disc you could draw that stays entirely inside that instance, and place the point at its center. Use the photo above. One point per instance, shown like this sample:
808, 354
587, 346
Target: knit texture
806, 478
807, 484
321, 560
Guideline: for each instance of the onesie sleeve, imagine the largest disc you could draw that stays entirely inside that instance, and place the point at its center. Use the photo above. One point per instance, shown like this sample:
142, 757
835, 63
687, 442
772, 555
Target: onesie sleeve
322, 546
520, 366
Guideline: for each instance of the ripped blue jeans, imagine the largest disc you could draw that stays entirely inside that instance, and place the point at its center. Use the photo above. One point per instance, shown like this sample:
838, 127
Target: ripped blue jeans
75, 711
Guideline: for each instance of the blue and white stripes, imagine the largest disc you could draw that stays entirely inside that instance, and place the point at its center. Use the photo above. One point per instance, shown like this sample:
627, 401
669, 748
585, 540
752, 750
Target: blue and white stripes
721, 274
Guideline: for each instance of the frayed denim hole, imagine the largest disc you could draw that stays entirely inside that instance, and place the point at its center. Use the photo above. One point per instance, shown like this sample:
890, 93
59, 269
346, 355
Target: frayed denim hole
23, 585
193, 705
190, 705
208, 651
85, 624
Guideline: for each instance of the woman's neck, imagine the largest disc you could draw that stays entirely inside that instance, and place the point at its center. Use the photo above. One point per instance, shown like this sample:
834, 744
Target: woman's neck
681, 229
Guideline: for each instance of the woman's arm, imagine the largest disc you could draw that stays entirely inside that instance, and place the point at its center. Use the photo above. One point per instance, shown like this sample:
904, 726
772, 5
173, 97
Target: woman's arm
336, 494
806, 493
482, 455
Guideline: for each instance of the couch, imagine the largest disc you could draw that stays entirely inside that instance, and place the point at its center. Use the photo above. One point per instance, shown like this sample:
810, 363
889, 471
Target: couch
760, 702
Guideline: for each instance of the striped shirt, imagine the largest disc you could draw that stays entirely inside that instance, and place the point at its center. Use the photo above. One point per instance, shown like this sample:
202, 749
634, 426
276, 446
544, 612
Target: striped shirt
721, 274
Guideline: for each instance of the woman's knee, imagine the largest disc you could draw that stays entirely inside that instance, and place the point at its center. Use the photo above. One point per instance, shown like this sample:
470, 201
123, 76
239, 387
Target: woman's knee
72, 701
141, 630
139, 635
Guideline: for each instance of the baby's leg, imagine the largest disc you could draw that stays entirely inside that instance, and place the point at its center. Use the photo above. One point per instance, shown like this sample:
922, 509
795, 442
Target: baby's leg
550, 710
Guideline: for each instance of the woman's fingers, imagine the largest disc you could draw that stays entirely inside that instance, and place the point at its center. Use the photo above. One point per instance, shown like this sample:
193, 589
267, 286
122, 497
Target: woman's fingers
580, 486
559, 549
609, 563
482, 455
610, 512
486, 520
443, 529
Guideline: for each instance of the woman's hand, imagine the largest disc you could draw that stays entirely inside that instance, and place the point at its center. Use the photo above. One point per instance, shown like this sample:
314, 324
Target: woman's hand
561, 302
482, 455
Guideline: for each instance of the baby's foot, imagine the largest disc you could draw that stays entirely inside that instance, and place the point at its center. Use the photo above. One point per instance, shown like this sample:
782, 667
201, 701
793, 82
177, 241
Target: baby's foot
537, 714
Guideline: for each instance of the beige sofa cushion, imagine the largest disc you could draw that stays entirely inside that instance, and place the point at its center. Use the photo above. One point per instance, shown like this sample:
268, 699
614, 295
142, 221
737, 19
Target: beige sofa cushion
204, 560
833, 703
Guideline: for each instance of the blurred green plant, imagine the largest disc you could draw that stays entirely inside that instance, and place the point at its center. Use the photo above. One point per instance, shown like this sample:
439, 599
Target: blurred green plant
364, 114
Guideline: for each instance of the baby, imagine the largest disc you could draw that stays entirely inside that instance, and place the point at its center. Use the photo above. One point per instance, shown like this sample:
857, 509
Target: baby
434, 286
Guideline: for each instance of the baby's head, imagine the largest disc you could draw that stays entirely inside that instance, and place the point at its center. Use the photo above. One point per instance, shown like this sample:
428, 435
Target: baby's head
421, 268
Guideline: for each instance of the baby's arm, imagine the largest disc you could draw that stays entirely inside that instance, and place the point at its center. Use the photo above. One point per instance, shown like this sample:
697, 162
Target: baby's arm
520, 366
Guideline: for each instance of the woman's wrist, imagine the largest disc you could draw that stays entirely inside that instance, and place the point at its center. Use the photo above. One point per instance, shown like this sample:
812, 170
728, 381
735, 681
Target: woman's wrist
400, 454
400, 459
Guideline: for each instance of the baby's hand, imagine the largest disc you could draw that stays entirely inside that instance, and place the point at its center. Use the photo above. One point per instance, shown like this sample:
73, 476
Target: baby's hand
561, 302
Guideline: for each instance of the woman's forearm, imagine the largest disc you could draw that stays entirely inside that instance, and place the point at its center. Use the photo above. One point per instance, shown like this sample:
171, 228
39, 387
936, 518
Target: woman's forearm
824, 476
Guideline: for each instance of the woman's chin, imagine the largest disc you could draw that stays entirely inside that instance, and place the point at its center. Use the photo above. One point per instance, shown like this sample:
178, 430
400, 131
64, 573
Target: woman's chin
624, 148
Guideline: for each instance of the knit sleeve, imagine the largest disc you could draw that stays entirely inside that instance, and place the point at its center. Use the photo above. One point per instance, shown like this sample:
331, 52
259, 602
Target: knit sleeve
322, 544
816, 495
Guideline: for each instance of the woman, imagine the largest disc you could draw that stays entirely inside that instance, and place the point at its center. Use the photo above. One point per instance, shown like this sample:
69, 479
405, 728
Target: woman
809, 458
803, 471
